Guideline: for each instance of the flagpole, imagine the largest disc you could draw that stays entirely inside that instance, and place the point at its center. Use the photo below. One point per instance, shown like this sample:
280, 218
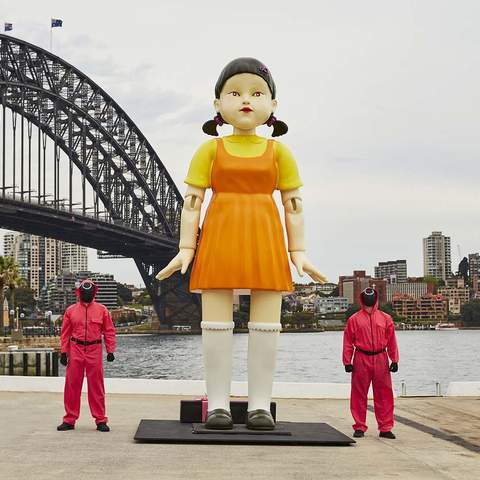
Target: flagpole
51, 37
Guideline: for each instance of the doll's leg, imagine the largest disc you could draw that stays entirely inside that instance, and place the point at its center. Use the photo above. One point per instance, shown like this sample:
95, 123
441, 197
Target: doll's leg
217, 339
264, 328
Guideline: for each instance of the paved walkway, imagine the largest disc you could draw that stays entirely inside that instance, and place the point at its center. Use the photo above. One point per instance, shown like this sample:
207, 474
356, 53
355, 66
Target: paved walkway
437, 438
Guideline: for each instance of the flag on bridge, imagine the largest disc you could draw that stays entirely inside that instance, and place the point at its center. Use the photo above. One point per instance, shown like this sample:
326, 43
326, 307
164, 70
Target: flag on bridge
8, 27
56, 22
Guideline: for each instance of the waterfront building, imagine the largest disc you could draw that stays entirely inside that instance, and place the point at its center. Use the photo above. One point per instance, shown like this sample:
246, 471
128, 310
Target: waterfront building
350, 286
436, 256
457, 292
428, 308
393, 271
412, 289
331, 304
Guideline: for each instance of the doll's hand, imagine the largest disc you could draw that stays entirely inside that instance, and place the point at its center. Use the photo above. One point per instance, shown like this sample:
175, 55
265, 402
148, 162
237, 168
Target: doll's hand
302, 264
180, 261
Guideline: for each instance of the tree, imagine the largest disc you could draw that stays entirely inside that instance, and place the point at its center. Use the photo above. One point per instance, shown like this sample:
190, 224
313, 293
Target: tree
25, 298
431, 280
470, 314
463, 269
7, 265
124, 293
335, 292
388, 308
14, 281
351, 310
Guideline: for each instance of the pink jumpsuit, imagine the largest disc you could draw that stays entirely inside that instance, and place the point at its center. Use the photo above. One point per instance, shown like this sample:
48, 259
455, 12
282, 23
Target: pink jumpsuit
370, 332
86, 322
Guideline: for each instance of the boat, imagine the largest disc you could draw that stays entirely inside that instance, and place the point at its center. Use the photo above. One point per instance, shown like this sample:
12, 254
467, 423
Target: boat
446, 326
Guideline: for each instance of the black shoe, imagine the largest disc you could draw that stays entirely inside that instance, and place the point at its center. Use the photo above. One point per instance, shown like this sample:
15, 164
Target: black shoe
387, 435
103, 427
260, 420
358, 433
219, 419
65, 426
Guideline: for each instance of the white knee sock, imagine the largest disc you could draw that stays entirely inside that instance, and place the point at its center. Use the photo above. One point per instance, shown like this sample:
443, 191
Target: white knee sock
217, 340
262, 353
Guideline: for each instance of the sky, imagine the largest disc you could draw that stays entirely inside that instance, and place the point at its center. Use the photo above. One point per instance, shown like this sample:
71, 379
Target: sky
380, 98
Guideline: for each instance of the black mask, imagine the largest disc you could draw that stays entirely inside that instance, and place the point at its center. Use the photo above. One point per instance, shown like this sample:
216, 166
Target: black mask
369, 297
87, 292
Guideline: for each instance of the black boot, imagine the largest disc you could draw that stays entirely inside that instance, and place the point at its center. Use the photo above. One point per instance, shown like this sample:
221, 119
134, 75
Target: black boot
103, 427
219, 419
358, 433
65, 426
387, 435
260, 420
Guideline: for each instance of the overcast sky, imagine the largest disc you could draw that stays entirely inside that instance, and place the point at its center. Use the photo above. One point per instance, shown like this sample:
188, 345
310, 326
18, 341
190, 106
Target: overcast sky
381, 99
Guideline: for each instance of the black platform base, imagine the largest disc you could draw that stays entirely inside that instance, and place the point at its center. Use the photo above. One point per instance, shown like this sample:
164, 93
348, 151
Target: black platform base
293, 433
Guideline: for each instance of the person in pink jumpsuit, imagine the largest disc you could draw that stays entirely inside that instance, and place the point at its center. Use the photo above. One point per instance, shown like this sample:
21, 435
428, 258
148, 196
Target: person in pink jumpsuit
84, 323
369, 338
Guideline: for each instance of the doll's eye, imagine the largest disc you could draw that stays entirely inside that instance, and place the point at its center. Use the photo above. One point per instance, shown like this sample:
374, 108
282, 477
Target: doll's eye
257, 94
235, 94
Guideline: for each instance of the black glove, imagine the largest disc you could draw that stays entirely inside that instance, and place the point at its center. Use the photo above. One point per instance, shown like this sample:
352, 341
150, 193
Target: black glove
349, 368
110, 357
394, 367
64, 359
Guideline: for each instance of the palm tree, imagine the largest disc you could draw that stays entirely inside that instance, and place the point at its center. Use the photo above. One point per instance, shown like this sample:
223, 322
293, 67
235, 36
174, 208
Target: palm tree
9, 276
14, 281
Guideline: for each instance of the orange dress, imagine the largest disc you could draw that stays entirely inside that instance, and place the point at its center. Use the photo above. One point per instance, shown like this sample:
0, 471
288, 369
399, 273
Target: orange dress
242, 245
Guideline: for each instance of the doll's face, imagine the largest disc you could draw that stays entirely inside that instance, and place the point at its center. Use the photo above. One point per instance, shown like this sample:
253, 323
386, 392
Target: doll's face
245, 101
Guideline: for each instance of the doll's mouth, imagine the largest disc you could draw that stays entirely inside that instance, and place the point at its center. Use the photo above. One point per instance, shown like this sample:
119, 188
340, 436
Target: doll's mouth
246, 109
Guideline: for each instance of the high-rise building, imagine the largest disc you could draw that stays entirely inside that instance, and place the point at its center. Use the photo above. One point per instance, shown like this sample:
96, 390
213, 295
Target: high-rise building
436, 256
8, 244
41, 259
393, 271
107, 287
474, 270
73, 257
25, 252
59, 292
350, 286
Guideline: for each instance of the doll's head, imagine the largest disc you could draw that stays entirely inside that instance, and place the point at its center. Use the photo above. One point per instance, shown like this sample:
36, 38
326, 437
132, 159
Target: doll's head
245, 98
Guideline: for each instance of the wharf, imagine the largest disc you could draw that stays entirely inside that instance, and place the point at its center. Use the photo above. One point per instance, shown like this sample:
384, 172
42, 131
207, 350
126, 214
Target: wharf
437, 438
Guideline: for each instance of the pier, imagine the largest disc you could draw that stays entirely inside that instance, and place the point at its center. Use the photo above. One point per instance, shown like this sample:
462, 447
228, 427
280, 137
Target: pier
437, 438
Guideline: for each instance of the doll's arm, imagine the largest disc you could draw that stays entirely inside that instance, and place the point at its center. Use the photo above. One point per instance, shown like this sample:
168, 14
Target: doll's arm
189, 222
294, 222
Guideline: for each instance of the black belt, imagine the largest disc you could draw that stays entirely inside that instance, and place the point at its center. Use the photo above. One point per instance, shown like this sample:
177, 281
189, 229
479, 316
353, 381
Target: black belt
81, 342
365, 352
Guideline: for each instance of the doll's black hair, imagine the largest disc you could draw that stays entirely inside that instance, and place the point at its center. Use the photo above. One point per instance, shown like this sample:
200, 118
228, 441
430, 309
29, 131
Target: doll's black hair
235, 67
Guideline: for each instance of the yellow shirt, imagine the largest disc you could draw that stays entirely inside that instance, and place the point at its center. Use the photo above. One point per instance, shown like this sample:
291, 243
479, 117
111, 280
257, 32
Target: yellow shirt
199, 173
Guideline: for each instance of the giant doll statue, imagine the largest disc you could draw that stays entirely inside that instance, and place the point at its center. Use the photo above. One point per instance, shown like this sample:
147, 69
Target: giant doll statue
242, 247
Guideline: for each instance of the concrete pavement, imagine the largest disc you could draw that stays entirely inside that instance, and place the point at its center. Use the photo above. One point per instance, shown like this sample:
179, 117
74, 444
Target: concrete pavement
441, 441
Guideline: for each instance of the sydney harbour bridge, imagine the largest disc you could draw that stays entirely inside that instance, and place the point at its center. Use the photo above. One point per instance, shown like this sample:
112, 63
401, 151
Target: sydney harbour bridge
75, 167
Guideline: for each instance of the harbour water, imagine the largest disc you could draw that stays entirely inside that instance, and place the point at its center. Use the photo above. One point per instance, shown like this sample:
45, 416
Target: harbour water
426, 357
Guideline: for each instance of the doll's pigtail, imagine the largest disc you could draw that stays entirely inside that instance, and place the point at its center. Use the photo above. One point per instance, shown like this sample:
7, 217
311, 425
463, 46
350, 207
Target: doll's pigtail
210, 127
279, 127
